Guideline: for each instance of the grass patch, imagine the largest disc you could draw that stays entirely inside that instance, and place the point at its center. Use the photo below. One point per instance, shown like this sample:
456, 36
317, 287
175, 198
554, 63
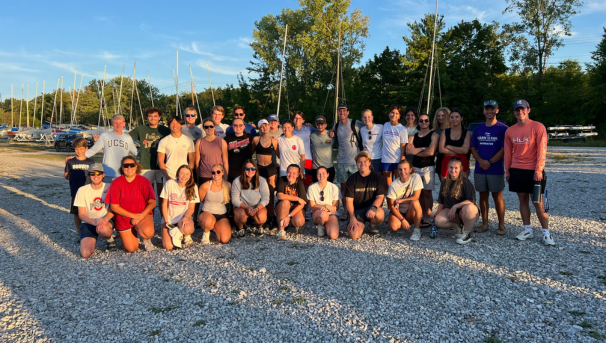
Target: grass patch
232, 303
595, 334
298, 301
584, 252
178, 281
220, 257
235, 291
182, 260
199, 323
292, 263
577, 313
566, 273
585, 324
492, 339
565, 158
157, 310
278, 302
155, 332
166, 280
199, 303
284, 288
251, 269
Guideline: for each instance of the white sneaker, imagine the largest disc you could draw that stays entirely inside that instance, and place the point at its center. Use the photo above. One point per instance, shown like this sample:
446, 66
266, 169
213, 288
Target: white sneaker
524, 235
148, 245
321, 230
187, 240
458, 232
416, 235
282, 235
466, 238
548, 240
206, 238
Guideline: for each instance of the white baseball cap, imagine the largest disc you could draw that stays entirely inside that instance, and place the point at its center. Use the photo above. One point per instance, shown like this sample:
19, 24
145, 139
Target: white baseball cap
261, 122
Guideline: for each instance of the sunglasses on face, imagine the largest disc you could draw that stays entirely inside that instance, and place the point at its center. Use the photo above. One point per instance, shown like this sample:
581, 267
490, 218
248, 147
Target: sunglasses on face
129, 165
238, 114
238, 125
95, 173
321, 195
206, 127
216, 172
250, 168
189, 115
423, 120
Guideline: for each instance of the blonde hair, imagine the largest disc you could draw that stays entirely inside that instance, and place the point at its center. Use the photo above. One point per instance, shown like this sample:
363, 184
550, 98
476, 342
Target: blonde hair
458, 183
225, 185
362, 154
436, 124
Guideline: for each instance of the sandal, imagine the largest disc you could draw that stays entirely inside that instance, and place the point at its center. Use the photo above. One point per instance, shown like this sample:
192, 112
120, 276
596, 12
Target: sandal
424, 224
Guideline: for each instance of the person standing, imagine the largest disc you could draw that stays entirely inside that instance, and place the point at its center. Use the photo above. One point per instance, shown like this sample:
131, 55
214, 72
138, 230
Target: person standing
275, 131
321, 150
210, 150
291, 148
115, 144
372, 139
525, 154
217, 113
303, 132
395, 138
487, 147
423, 146
76, 171
175, 150
190, 129
441, 121
148, 137
454, 143
239, 148
240, 114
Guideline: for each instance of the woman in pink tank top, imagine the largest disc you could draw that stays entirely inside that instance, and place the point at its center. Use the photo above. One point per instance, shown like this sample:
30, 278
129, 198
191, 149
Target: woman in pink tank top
210, 150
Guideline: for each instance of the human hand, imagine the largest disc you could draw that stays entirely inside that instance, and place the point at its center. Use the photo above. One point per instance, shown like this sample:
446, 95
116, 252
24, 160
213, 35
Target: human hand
537, 176
370, 214
352, 223
405, 224
452, 213
301, 201
484, 164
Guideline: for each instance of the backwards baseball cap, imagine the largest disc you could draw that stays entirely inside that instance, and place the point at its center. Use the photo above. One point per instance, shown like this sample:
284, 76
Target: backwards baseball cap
521, 103
491, 103
96, 167
273, 117
342, 105
320, 120
261, 122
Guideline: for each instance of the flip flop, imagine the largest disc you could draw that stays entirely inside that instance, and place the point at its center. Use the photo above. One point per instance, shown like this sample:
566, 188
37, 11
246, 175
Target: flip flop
424, 224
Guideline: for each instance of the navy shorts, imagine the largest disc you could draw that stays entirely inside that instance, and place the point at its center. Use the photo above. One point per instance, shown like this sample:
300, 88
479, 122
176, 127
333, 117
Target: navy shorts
87, 230
361, 214
72, 209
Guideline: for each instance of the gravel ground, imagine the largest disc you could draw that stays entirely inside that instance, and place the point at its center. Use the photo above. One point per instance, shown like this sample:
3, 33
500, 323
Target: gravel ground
378, 288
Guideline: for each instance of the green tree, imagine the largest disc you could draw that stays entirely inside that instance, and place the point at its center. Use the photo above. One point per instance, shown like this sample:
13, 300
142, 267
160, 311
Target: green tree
597, 82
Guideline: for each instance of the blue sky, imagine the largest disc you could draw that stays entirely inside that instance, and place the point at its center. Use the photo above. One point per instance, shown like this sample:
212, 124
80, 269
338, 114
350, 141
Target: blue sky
48, 40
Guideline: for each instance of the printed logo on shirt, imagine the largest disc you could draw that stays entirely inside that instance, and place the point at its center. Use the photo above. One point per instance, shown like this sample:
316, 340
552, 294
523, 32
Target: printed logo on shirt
487, 139
150, 139
523, 140
294, 147
80, 166
174, 199
391, 133
97, 204
236, 146
367, 189
117, 143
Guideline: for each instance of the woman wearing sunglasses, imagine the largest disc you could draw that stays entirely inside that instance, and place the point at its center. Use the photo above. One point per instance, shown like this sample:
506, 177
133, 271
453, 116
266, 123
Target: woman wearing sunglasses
179, 199
249, 195
214, 194
455, 142
457, 203
210, 150
403, 201
372, 139
324, 199
132, 199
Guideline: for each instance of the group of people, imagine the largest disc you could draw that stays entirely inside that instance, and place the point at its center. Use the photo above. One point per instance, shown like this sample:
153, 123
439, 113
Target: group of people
211, 164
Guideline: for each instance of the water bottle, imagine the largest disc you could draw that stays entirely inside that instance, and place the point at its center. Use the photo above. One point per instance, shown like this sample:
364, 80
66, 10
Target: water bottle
536, 192
433, 231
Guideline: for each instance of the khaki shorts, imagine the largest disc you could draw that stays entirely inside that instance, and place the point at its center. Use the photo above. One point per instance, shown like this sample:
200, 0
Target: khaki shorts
427, 175
153, 175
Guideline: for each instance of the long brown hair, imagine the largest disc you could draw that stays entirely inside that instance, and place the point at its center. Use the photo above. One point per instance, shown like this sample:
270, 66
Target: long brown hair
190, 185
254, 184
458, 183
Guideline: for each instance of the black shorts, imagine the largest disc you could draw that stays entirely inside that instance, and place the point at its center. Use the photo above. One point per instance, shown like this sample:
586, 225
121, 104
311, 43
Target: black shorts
72, 209
87, 230
220, 216
361, 214
522, 181
268, 170
331, 174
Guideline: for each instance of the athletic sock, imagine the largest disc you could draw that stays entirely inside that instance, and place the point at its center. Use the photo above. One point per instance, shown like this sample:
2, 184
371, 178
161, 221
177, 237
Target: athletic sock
545, 232
528, 228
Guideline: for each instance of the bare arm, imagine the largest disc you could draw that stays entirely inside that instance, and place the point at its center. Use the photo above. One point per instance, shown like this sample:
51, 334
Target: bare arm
162, 165
443, 149
202, 191
197, 159
463, 150
224, 156
165, 210
191, 158
116, 208
431, 149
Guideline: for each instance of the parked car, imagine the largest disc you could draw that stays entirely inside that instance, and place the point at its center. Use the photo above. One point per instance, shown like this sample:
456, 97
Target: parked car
65, 142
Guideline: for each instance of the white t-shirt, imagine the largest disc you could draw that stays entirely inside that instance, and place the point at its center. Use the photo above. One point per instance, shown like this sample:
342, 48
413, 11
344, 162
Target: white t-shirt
393, 138
177, 201
219, 130
373, 141
291, 150
176, 150
93, 200
399, 189
331, 193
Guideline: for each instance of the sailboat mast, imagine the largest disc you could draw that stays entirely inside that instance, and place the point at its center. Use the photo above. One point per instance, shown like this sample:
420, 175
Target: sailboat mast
282, 72
433, 44
42, 110
120, 94
177, 86
211, 84
151, 94
54, 103
20, 106
61, 104
132, 97
192, 91
27, 106
78, 97
35, 103
12, 109
338, 73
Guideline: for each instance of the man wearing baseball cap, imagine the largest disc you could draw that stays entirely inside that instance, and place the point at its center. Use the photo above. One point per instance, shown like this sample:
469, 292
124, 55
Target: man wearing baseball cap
94, 212
487, 142
525, 153
321, 150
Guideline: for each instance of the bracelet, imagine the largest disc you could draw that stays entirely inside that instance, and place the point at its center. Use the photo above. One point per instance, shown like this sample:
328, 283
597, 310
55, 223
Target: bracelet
373, 208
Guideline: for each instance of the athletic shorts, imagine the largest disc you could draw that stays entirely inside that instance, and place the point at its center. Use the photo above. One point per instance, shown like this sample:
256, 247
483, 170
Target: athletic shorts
375, 165
427, 175
72, 209
87, 230
331, 174
307, 179
361, 214
268, 171
522, 181
220, 216
344, 171
389, 166
489, 183
153, 175
446, 160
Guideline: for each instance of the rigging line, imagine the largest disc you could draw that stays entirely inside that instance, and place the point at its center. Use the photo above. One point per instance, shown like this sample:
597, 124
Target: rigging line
423, 89
439, 83
327, 93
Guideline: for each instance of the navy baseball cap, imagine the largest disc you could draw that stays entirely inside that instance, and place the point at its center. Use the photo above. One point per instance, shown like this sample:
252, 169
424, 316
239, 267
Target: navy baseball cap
521, 103
273, 117
342, 105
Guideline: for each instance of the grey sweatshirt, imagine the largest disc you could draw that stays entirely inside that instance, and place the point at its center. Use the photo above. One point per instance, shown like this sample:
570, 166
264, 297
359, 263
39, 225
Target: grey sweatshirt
250, 197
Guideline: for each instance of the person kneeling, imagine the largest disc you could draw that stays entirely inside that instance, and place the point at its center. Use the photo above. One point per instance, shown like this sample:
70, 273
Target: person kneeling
457, 203
93, 212
249, 195
215, 196
364, 194
292, 198
180, 199
403, 201
324, 202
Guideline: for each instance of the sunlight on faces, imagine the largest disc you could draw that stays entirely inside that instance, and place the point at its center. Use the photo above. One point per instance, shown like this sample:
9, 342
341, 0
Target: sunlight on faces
291, 174
343, 113
455, 119
216, 173
521, 113
367, 117
274, 124
404, 171
363, 163
264, 128
129, 172
209, 127
118, 124
238, 126
287, 129
239, 113
490, 112
454, 169
190, 120
299, 120
410, 118
250, 170
217, 117
96, 179
184, 175
153, 118
394, 116
322, 174
80, 151
424, 121
175, 126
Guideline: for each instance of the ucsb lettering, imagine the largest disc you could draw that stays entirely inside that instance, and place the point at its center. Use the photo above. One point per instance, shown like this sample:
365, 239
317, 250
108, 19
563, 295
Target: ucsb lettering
117, 143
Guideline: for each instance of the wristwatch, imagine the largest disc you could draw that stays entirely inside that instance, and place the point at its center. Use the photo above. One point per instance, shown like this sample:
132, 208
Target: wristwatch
489, 162
373, 208
289, 216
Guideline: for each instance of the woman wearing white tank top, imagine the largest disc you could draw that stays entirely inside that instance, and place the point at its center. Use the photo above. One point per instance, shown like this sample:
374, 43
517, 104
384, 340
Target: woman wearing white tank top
214, 194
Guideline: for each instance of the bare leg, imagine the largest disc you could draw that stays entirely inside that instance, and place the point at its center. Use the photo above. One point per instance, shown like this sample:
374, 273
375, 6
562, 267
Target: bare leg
499, 205
261, 216
443, 222
298, 219
77, 222
272, 187
426, 201
524, 208
415, 213
87, 244
282, 209
469, 216
332, 227
223, 230
207, 221
240, 217
484, 206
357, 231
379, 217
541, 215
387, 175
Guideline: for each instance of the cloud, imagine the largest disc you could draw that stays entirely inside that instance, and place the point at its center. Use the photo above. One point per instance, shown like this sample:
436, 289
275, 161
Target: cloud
593, 6
195, 48
7, 66
244, 42
106, 55
104, 19
220, 69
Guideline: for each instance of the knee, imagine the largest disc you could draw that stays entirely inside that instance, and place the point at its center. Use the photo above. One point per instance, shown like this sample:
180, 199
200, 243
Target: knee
333, 235
167, 246
470, 210
440, 221
224, 240
86, 253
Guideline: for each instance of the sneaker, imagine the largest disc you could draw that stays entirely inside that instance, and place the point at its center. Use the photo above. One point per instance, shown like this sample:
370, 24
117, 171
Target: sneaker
149, 246
297, 229
321, 230
466, 238
501, 231
176, 236
482, 228
282, 235
241, 232
524, 235
433, 231
459, 232
187, 240
416, 235
548, 240
111, 244
206, 238
115, 234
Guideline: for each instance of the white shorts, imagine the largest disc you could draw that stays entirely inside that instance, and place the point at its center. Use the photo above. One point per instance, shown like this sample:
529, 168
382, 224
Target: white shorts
427, 175
153, 175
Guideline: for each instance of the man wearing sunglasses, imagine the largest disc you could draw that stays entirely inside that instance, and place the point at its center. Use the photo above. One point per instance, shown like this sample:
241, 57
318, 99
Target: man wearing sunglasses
487, 147
217, 113
190, 129
239, 148
93, 212
239, 114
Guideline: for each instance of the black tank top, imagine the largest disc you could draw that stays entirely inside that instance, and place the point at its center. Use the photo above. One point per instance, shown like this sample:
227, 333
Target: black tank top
459, 142
261, 150
423, 142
